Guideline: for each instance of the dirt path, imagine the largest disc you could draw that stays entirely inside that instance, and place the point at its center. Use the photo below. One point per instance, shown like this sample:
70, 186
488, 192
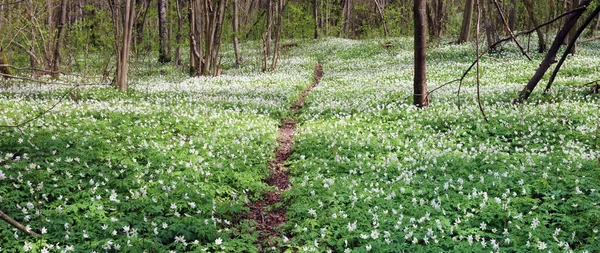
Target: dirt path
266, 218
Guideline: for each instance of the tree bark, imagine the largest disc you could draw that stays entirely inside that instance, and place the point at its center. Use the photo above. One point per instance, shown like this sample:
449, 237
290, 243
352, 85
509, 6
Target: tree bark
435, 18
315, 12
236, 27
179, 31
571, 5
269, 35
512, 15
4, 66
55, 64
465, 30
551, 55
346, 23
529, 6
421, 96
572, 43
196, 27
123, 24
163, 33
278, 32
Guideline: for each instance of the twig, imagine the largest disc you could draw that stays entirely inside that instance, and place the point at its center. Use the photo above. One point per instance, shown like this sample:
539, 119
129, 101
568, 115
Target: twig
16, 224
589, 39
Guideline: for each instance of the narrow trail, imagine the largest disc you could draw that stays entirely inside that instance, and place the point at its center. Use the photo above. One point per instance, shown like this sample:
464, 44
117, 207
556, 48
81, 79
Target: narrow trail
269, 218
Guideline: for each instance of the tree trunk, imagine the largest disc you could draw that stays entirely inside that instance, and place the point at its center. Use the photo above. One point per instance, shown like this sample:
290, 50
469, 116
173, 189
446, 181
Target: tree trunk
123, 21
315, 12
571, 5
278, 32
512, 15
163, 33
465, 30
236, 27
269, 27
59, 40
435, 18
421, 96
347, 25
179, 32
529, 6
4, 68
196, 27
139, 26
551, 55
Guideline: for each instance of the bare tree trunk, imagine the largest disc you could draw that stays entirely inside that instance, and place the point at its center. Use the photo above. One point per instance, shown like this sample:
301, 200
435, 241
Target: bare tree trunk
380, 4
179, 31
139, 26
196, 28
346, 25
59, 40
551, 55
278, 32
435, 18
4, 68
421, 96
163, 33
465, 30
236, 27
269, 35
315, 12
123, 25
541, 42
571, 5
512, 15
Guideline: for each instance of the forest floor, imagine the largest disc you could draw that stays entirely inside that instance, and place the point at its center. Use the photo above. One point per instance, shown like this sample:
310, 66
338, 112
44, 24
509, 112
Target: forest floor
269, 213
253, 161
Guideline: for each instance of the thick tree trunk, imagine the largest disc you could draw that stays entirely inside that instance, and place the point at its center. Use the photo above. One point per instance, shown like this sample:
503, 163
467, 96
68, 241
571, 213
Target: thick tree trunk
163, 33
236, 27
465, 30
59, 39
551, 55
541, 42
421, 96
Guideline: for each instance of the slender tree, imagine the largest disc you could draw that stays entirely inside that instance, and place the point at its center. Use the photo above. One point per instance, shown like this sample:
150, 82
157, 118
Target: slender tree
236, 27
421, 96
58, 40
123, 16
163, 33
529, 6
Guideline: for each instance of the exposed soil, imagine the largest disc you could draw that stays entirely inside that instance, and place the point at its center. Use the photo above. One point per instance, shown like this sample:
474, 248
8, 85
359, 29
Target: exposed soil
267, 217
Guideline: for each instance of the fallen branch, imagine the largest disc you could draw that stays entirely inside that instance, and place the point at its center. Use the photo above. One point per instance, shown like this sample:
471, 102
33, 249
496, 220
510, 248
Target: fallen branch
16, 224
507, 39
48, 82
572, 43
47, 71
589, 39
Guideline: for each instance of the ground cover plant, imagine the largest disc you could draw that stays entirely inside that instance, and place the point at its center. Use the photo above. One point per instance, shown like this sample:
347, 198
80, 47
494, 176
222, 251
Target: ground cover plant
373, 173
170, 165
